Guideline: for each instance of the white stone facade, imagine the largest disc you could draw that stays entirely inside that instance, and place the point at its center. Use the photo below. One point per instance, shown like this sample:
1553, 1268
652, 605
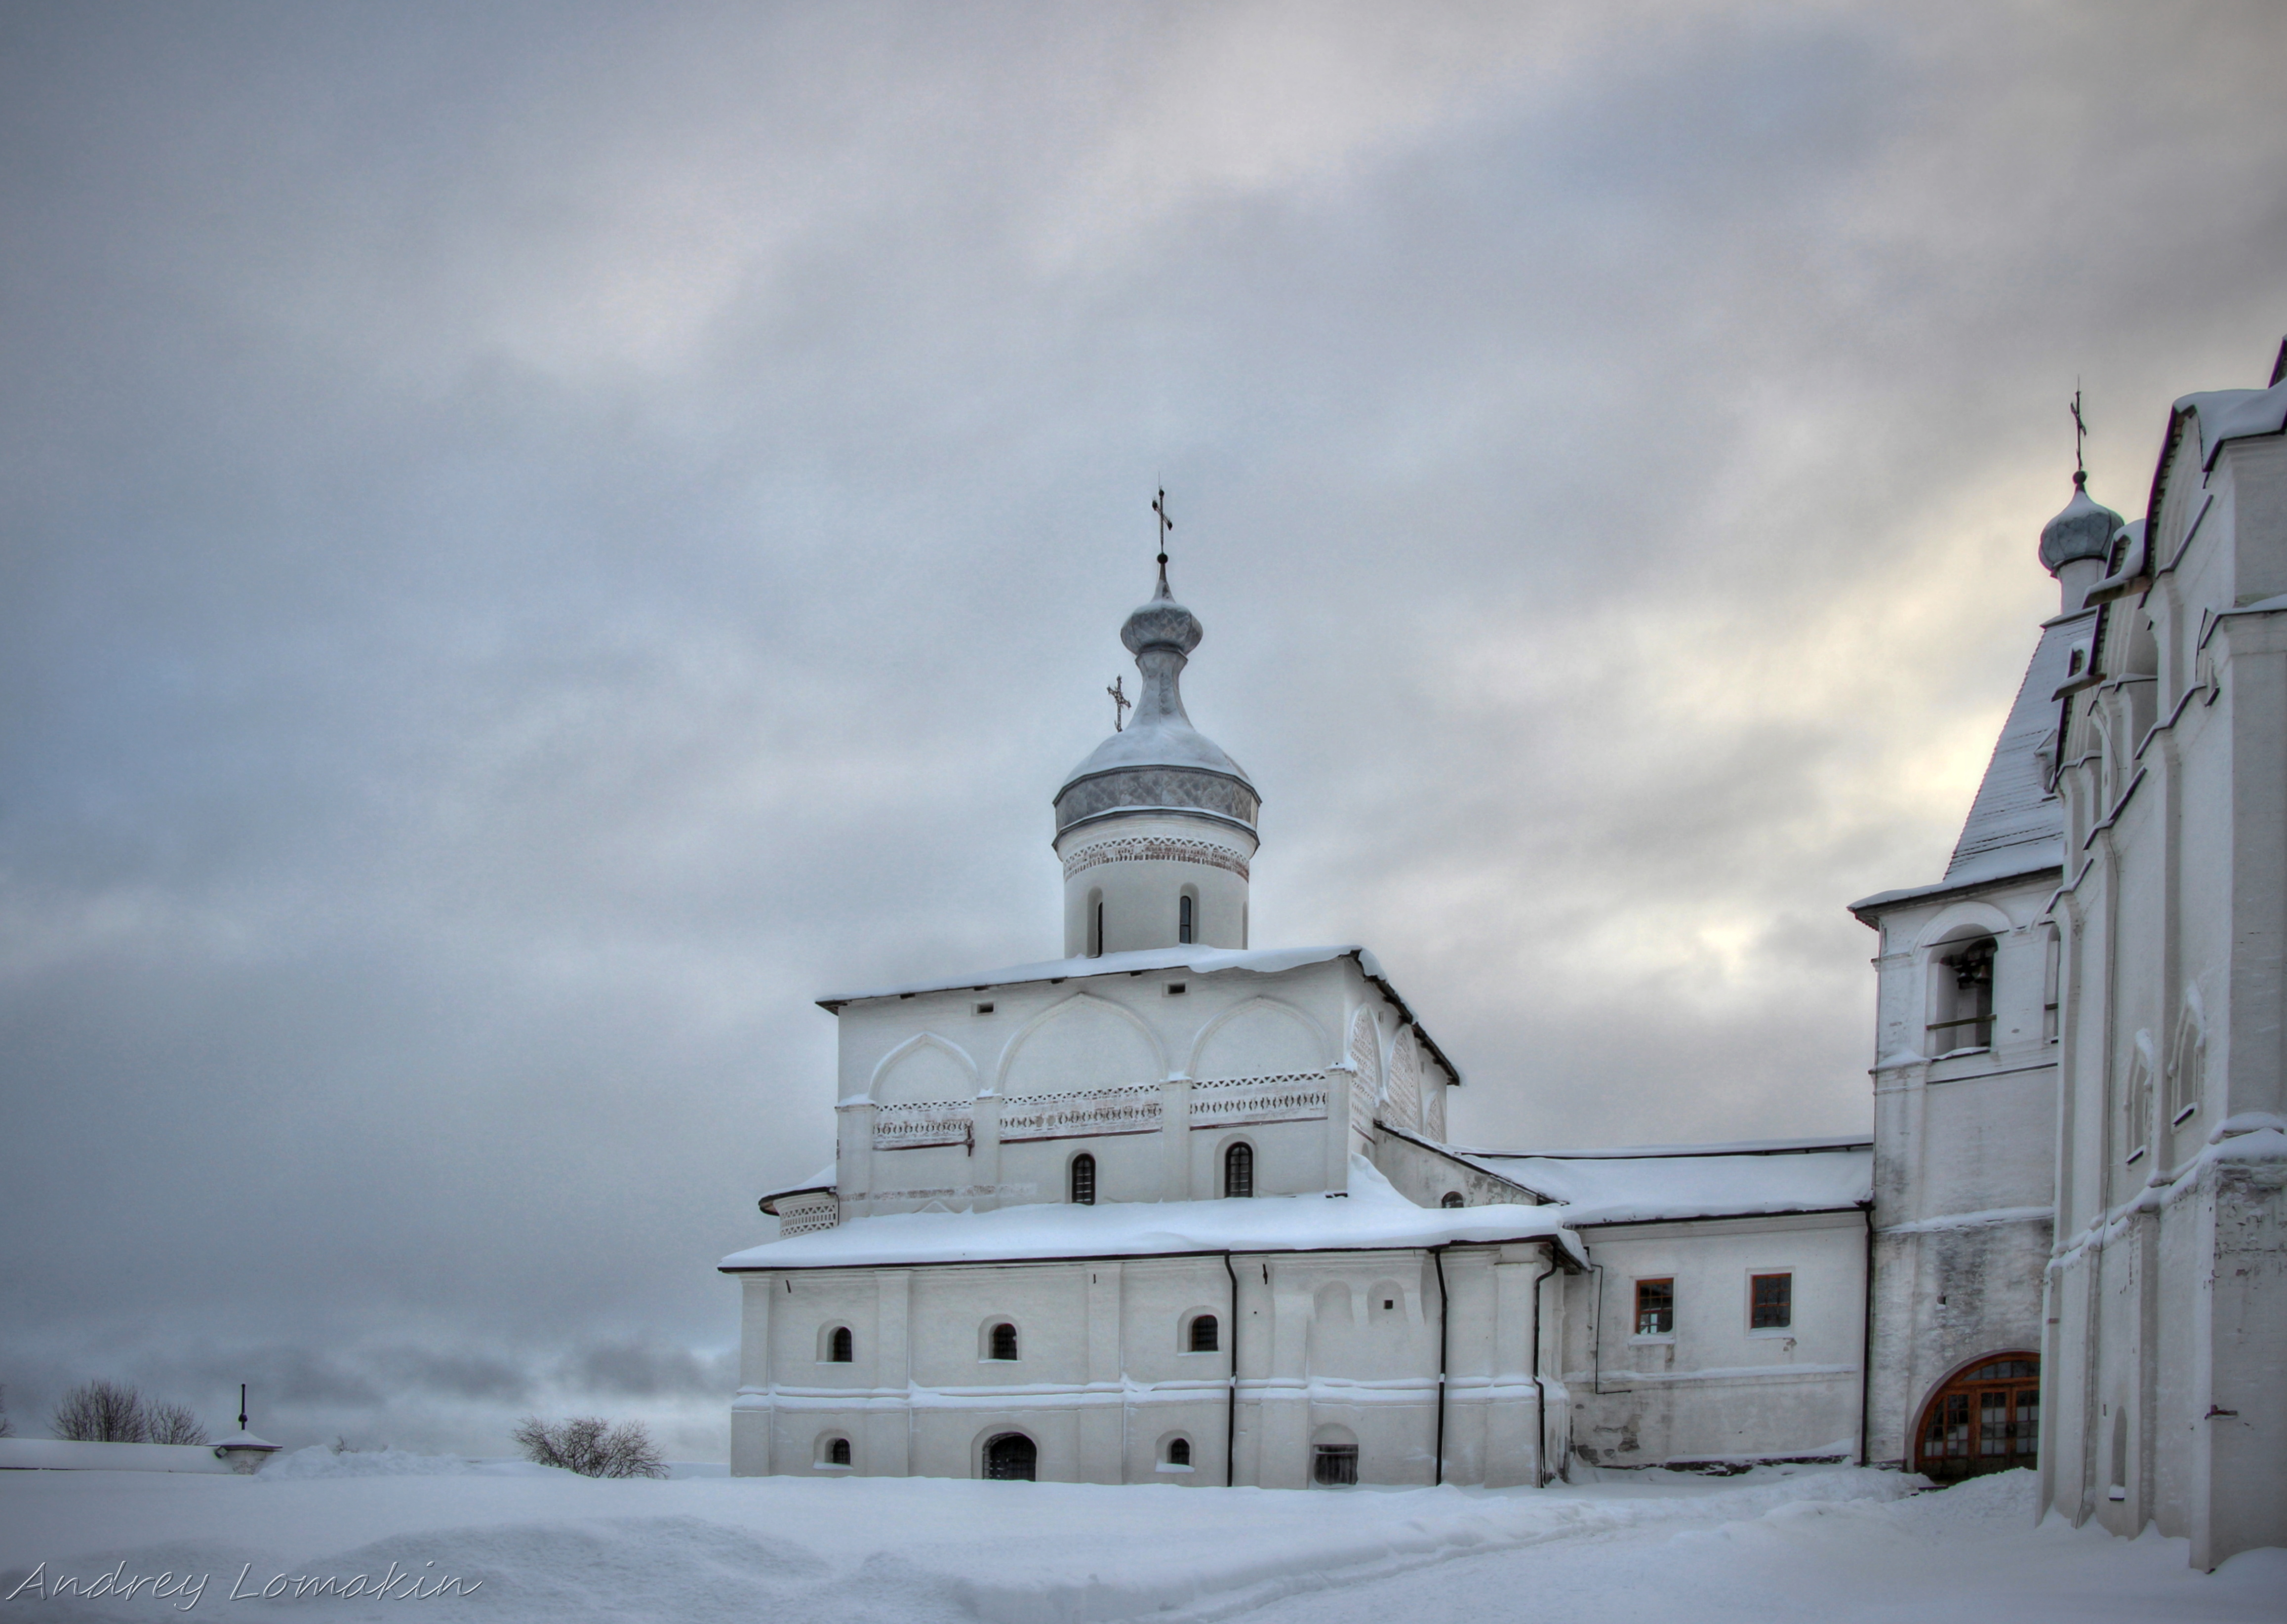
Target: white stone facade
2166, 1354
1169, 1210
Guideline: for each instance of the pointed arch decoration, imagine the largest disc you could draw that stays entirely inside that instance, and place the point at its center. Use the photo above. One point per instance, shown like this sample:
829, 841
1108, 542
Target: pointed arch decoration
1082, 1006
910, 1048
1403, 1092
1314, 1056
1365, 1053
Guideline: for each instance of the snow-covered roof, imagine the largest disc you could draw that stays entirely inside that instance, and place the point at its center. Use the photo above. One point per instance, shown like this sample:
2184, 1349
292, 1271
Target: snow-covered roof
1649, 1183
244, 1441
2015, 826
1203, 960
2226, 415
822, 1179
1372, 1216
1200, 960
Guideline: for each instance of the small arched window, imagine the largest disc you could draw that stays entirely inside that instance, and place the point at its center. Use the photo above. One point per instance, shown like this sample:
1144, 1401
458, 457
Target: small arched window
840, 1348
1003, 1341
1095, 925
1238, 1170
1183, 920
1083, 1180
1452, 1198
837, 1453
1205, 1334
1179, 1452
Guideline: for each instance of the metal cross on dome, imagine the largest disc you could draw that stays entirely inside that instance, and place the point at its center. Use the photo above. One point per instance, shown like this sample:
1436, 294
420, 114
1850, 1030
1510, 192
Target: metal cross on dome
1160, 507
2080, 435
1120, 703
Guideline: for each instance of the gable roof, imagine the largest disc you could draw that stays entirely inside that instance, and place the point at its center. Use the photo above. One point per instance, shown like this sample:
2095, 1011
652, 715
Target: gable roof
1645, 1184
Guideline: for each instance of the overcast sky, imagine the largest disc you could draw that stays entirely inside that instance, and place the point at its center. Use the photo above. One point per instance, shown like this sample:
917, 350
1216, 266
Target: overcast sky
536, 540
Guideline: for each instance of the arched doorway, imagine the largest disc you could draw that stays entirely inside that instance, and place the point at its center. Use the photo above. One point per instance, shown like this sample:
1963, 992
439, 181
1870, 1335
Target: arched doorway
1011, 1457
1987, 1417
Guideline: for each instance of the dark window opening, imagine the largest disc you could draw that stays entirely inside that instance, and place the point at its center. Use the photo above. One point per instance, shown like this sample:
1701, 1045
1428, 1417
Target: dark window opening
1238, 1170
1205, 1334
1452, 1198
1772, 1308
1334, 1465
1083, 1180
840, 1347
1183, 920
1004, 1343
1655, 1308
837, 1453
1011, 1458
1096, 951
1179, 1452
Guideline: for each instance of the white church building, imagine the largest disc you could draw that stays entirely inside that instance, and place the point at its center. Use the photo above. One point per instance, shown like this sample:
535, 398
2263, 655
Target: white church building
1175, 1208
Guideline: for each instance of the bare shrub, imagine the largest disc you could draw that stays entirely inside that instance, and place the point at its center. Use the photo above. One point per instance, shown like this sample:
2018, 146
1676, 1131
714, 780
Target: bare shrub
591, 1446
174, 1424
7, 1427
100, 1412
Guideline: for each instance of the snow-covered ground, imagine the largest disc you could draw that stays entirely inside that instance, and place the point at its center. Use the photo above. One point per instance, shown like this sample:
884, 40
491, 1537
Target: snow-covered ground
1774, 1545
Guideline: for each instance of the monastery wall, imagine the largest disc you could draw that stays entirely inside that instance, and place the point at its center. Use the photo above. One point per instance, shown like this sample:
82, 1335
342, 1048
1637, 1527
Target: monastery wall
1714, 1388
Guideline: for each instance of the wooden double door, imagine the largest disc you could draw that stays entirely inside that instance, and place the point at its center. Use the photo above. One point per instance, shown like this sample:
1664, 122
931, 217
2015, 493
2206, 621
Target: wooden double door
1988, 1418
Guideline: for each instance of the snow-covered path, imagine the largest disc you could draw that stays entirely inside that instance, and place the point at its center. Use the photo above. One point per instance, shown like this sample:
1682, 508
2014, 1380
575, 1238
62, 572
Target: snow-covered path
1774, 1545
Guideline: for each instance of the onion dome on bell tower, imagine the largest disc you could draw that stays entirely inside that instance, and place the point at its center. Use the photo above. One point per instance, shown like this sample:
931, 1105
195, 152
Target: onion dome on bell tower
1157, 827
2076, 545
2085, 529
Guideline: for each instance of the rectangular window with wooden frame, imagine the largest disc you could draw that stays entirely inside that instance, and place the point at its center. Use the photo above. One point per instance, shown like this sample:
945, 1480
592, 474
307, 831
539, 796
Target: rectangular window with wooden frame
1770, 1302
1656, 1307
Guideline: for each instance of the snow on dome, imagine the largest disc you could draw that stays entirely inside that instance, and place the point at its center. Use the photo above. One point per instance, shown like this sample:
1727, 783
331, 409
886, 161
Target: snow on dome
2085, 529
1158, 761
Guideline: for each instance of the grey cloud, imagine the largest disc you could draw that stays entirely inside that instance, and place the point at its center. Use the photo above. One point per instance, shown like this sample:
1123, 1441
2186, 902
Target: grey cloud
536, 541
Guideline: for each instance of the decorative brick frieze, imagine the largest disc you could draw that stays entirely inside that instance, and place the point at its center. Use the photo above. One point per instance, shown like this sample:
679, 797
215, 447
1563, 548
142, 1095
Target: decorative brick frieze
1155, 848
1233, 1101
1064, 1116
908, 1127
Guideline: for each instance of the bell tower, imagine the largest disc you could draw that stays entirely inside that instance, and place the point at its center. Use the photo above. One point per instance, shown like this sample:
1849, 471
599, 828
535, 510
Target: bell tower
1156, 829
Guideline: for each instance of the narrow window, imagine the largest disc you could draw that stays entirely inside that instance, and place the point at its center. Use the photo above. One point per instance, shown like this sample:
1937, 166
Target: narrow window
1096, 951
1335, 1464
1655, 1308
1772, 1306
1004, 1341
1453, 1199
840, 1347
1179, 1452
1204, 1334
1083, 1180
1184, 921
837, 1453
1238, 1170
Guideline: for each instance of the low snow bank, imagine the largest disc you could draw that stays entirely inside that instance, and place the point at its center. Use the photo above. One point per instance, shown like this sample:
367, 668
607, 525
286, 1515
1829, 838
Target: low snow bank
68, 1455
551, 1547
